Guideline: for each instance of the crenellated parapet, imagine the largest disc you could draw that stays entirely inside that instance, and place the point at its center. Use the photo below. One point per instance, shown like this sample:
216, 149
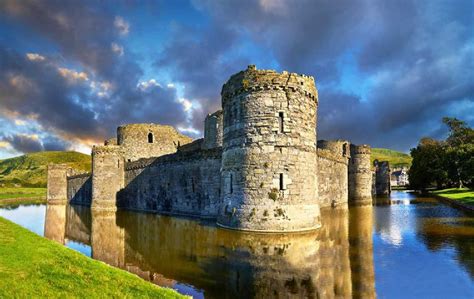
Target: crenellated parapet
251, 80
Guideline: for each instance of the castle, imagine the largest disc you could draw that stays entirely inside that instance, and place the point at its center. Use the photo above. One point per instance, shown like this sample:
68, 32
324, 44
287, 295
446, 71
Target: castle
258, 168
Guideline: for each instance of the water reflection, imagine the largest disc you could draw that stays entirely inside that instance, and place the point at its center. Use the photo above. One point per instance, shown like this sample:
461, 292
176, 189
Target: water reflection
203, 260
395, 250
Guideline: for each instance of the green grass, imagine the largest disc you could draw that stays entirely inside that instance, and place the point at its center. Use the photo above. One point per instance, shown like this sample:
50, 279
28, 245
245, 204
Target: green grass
17, 192
463, 195
34, 267
16, 196
31, 169
396, 159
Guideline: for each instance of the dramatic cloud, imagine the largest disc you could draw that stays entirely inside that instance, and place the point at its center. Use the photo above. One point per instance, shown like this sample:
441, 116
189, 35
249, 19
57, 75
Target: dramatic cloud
25, 143
379, 66
386, 71
87, 97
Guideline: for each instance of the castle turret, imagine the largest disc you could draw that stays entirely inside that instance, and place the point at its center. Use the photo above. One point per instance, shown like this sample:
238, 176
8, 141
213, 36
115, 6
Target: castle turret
360, 175
269, 158
57, 184
148, 140
107, 176
382, 178
213, 130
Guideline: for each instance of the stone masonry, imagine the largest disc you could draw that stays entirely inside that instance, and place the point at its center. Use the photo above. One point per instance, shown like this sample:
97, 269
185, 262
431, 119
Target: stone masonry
259, 166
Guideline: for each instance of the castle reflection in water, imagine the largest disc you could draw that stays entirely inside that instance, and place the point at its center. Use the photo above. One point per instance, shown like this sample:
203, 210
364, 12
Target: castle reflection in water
335, 261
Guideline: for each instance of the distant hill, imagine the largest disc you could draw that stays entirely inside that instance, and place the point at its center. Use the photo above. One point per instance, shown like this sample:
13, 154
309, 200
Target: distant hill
31, 170
396, 159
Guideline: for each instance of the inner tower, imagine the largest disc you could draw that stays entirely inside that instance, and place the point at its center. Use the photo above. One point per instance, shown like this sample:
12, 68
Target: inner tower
269, 158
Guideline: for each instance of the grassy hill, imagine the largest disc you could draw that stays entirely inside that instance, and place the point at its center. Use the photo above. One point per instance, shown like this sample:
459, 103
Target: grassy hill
31, 169
396, 159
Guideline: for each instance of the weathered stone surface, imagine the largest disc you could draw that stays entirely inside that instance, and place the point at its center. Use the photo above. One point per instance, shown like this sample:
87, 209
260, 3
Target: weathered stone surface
382, 177
57, 184
107, 176
360, 175
184, 183
333, 158
269, 159
79, 189
149, 140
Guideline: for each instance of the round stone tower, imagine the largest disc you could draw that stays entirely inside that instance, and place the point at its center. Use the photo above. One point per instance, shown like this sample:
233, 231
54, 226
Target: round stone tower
360, 175
269, 158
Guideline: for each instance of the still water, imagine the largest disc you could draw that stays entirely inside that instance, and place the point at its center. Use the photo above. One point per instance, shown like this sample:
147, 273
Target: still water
404, 247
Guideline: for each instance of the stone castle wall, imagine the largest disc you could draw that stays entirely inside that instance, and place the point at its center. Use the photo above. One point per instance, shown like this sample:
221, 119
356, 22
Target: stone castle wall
269, 152
332, 178
79, 189
185, 183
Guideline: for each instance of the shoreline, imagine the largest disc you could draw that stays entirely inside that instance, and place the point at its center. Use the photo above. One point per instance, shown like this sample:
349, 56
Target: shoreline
23, 200
453, 202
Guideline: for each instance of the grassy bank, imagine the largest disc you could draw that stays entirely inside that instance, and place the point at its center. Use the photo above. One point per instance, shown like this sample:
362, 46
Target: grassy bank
13, 196
463, 195
32, 267
11, 193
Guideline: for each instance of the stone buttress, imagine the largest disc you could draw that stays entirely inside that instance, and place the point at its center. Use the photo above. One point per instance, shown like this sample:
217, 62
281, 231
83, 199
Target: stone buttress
269, 158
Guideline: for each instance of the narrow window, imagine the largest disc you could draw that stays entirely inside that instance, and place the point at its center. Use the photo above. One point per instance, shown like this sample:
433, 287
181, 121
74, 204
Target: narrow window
281, 181
344, 149
192, 183
150, 138
231, 184
118, 163
280, 122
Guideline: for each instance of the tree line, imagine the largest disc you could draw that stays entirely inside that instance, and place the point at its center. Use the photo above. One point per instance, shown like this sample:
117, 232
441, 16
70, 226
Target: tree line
444, 163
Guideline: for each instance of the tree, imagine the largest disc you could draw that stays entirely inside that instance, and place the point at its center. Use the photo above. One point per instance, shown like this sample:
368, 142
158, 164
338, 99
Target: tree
459, 152
428, 165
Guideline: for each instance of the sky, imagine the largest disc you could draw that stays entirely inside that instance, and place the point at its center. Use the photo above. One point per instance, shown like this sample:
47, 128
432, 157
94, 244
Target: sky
386, 71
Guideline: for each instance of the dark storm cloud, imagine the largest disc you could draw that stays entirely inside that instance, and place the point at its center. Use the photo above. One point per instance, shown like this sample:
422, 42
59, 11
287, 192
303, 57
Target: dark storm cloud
415, 58
24, 143
63, 101
199, 59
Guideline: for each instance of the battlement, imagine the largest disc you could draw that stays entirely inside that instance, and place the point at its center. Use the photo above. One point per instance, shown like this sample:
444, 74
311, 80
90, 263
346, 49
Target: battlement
340, 148
252, 79
363, 149
98, 150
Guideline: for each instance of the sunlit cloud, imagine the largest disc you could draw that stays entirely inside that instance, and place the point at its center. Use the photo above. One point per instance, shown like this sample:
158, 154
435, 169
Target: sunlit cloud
122, 26
72, 76
117, 49
35, 57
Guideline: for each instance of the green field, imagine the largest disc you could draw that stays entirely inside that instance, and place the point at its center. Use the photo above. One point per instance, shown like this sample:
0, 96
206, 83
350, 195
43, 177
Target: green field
35, 267
31, 170
463, 195
396, 159
12, 193
15, 196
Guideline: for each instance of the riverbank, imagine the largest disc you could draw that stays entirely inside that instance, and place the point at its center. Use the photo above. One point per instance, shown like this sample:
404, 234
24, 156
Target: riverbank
32, 266
21, 195
462, 198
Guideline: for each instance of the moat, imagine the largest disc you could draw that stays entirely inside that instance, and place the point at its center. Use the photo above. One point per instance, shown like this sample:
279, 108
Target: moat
404, 247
